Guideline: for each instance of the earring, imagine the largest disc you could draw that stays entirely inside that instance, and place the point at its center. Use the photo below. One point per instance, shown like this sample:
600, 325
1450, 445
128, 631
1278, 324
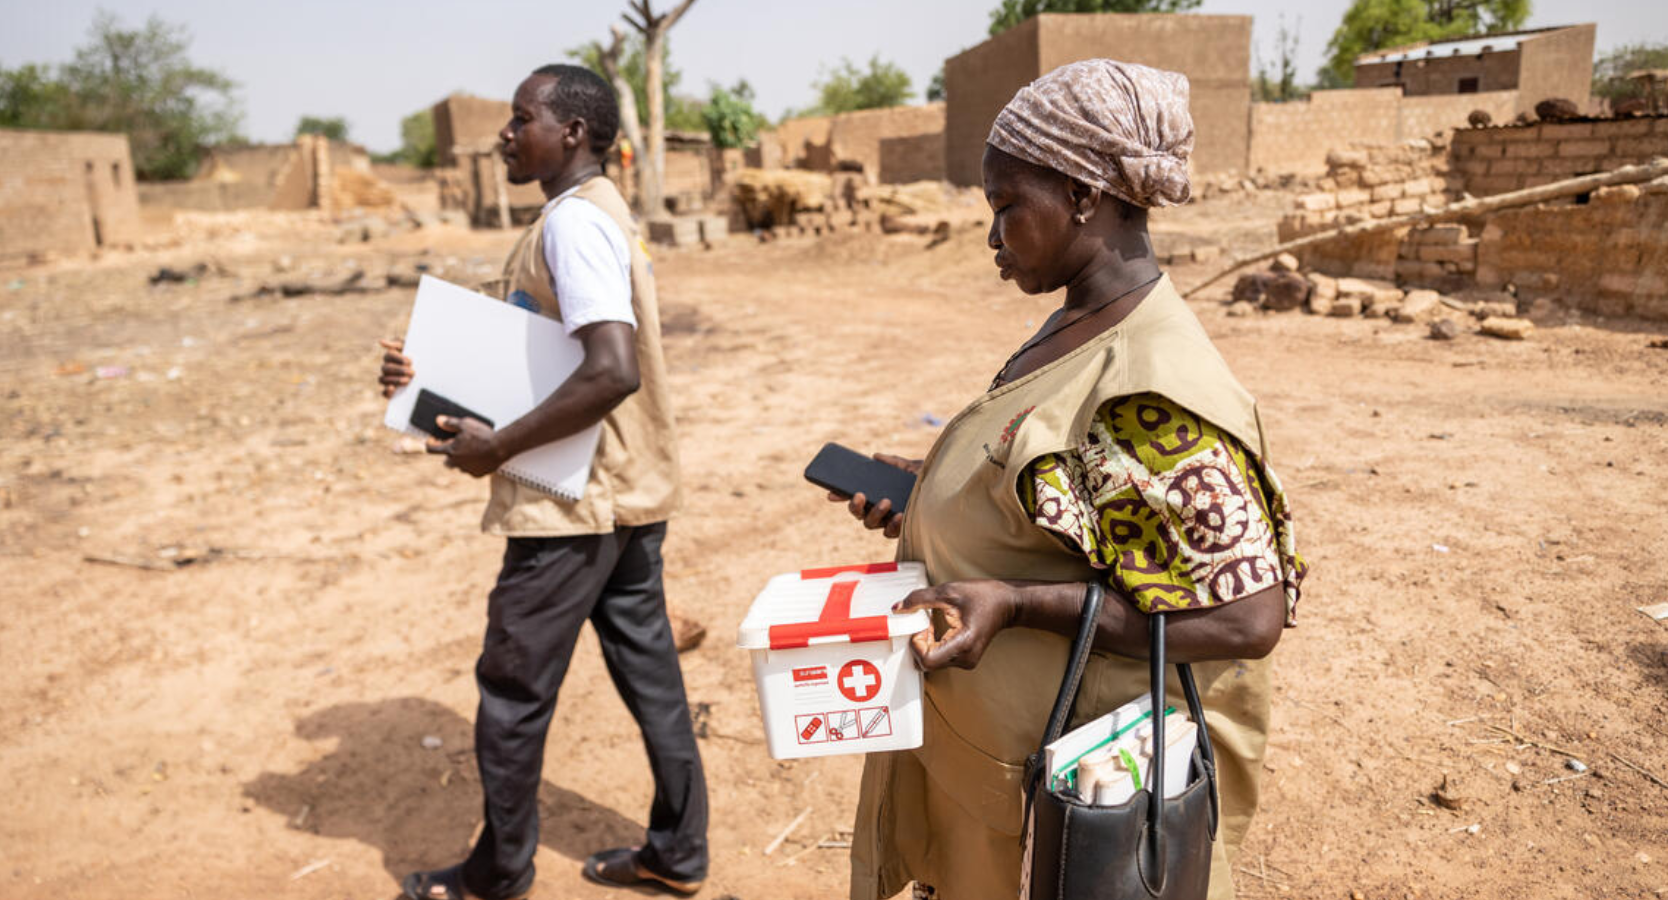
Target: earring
1080, 218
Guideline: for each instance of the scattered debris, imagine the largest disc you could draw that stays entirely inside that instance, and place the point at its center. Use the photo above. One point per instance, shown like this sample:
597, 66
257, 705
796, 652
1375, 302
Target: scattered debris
1447, 795
309, 869
783, 834
190, 275
1657, 612
432, 742
1575, 765
1509, 329
1444, 330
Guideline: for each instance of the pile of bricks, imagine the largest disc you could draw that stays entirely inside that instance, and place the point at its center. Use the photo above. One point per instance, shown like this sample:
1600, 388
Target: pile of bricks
1366, 183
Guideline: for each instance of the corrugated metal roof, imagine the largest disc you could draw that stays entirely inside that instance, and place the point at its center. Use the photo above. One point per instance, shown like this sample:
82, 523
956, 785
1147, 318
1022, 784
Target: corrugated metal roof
1493, 43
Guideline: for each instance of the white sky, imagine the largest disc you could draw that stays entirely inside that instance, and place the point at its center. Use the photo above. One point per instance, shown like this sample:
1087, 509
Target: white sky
374, 63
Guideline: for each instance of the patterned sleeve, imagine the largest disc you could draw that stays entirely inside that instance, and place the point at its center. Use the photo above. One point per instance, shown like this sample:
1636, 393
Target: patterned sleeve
1177, 511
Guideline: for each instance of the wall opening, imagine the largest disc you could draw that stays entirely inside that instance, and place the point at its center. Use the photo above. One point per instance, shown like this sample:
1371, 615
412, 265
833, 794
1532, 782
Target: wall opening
1467, 85
92, 205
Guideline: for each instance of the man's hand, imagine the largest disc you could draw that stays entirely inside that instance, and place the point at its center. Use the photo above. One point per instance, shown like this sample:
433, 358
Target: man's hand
879, 516
974, 612
396, 366
473, 451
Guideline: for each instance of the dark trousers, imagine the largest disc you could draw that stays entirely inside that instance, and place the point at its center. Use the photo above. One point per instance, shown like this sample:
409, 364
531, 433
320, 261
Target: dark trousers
546, 591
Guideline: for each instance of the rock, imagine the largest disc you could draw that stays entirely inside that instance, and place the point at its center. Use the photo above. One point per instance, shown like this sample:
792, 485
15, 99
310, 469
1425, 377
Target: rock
1488, 309
1447, 795
1206, 253
1285, 262
1479, 118
1346, 159
1556, 109
1323, 290
1241, 309
1251, 286
1510, 329
1444, 330
1286, 292
1417, 305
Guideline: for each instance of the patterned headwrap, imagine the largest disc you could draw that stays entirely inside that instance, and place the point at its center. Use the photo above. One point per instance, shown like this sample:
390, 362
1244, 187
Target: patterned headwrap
1116, 126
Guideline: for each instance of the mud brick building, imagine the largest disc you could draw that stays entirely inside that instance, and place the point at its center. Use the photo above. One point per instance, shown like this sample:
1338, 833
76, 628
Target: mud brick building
1538, 65
65, 192
895, 145
1213, 51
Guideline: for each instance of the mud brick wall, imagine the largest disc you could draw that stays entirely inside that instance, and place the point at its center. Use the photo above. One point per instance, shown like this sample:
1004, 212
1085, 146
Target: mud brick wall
1297, 136
1608, 256
916, 158
65, 192
462, 120
1443, 257
978, 82
860, 137
1498, 160
1213, 51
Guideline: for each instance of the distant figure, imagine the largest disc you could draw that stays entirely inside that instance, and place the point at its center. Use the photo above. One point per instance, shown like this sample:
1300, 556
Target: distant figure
568, 562
1557, 109
1480, 118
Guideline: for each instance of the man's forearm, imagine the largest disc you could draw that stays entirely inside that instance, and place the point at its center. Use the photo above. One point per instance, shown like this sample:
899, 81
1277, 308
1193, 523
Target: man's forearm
581, 401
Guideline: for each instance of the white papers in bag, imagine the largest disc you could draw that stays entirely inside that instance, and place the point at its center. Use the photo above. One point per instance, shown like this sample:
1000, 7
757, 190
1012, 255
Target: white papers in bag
501, 361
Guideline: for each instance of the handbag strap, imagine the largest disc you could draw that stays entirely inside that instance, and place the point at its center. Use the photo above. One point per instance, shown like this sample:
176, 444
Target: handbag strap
1066, 700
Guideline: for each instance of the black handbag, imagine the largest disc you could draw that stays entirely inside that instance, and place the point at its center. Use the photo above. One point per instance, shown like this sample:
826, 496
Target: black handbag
1147, 847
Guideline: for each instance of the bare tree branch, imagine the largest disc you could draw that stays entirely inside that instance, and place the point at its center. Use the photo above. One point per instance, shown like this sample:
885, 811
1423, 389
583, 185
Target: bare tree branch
672, 17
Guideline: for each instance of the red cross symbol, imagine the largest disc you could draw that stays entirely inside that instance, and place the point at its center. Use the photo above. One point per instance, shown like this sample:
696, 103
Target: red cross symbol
859, 681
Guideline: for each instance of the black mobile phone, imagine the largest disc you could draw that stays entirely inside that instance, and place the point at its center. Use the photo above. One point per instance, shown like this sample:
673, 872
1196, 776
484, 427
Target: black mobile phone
845, 471
429, 405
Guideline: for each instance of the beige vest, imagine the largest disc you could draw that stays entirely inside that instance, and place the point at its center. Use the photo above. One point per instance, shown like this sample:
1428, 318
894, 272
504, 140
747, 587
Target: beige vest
634, 476
949, 814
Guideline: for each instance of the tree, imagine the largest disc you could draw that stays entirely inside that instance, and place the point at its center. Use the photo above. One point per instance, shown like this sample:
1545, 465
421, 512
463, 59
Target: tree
653, 29
625, 54
334, 127
1370, 25
730, 117
1280, 87
1013, 12
141, 82
416, 142
1610, 79
935, 87
849, 88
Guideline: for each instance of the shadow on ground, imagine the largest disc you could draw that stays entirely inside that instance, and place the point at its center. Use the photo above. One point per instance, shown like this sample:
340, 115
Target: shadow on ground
418, 806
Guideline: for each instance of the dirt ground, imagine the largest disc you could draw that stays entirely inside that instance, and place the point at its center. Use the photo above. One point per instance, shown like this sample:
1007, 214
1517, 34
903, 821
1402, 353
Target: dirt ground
237, 702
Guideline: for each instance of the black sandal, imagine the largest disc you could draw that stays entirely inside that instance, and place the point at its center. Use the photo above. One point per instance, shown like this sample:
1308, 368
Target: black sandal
442, 884
620, 867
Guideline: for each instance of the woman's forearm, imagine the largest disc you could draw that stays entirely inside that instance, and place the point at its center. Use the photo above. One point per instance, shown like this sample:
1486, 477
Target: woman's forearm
1244, 629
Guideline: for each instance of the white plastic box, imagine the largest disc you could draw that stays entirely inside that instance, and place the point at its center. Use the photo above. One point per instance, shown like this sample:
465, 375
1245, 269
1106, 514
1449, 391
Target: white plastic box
832, 662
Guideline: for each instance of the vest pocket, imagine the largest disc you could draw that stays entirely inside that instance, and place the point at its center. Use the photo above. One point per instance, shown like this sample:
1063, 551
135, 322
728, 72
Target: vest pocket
985, 787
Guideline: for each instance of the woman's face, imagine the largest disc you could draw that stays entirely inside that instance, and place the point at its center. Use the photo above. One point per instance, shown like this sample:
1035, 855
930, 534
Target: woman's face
1032, 228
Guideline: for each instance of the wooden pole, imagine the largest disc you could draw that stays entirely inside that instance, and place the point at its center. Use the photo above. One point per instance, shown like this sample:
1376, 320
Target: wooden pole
1529, 196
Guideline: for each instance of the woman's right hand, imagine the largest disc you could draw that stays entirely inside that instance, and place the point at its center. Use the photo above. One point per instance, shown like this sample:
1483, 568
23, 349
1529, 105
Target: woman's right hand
879, 516
396, 366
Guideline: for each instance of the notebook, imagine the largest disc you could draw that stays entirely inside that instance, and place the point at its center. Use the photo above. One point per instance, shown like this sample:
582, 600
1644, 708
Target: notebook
501, 361
1123, 728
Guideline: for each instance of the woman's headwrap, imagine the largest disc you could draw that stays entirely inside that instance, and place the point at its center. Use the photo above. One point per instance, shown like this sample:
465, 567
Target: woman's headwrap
1116, 126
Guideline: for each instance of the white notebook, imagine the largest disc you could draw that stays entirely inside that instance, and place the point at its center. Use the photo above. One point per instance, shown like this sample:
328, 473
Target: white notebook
501, 361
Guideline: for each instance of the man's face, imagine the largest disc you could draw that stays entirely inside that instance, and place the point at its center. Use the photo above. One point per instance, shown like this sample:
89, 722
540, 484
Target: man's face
1031, 229
536, 144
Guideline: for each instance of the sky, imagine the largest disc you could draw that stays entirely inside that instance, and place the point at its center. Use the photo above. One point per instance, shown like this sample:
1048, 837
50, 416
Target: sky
360, 61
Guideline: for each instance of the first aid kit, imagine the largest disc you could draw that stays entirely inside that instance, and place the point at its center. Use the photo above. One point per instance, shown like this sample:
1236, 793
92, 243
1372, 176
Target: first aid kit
832, 662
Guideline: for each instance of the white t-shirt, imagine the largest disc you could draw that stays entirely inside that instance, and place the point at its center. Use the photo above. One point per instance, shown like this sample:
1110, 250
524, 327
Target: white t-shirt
590, 263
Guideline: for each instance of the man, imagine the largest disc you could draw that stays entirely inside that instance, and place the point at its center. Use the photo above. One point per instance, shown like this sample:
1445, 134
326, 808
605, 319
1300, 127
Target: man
565, 562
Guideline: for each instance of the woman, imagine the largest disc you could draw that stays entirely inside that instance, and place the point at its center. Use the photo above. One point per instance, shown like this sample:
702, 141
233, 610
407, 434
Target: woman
1113, 445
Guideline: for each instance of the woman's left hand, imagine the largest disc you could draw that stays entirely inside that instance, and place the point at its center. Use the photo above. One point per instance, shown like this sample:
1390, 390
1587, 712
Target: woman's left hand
974, 611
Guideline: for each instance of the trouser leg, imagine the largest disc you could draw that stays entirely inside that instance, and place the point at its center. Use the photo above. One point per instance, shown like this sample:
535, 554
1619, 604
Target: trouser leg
545, 591
636, 638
